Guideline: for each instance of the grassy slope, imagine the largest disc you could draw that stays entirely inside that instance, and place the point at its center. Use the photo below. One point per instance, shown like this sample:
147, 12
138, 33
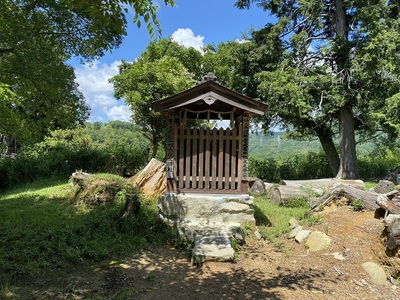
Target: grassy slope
41, 227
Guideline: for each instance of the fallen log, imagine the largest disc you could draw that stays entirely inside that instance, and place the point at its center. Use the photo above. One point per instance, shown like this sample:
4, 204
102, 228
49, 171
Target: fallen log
389, 206
324, 183
350, 193
268, 186
280, 194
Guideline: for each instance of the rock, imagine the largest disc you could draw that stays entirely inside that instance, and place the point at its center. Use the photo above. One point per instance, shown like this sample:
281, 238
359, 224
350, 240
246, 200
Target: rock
295, 231
383, 187
375, 272
258, 187
80, 178
179, 208
338, 256
302, 236
393, 230
293, 222
318, 241
212, 241
212, 247
258, 234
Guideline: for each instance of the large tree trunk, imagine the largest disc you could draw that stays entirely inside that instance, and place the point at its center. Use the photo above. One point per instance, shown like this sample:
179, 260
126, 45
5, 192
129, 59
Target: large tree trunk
348, 156
329, 148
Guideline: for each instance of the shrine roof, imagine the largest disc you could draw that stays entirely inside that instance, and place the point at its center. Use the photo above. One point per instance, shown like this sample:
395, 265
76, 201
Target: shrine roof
207, 95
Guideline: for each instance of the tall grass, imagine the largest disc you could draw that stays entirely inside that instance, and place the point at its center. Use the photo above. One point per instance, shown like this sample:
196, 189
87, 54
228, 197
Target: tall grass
42, 228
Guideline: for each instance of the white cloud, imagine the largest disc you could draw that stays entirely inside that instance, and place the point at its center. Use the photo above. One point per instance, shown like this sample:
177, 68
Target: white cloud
103, 100
122, 113
93, 83
186, 37
241, 41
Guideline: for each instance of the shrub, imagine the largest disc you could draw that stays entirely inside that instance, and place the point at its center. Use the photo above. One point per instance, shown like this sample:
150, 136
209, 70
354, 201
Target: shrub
66, 151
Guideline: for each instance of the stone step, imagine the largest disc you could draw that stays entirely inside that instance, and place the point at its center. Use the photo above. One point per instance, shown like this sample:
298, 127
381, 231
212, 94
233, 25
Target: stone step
214, 248
212, 241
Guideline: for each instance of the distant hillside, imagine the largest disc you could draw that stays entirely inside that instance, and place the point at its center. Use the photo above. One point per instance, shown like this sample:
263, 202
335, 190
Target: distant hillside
276, 145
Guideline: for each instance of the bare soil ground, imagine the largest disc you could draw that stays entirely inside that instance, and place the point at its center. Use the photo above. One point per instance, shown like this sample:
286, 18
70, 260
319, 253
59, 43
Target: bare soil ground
262, 270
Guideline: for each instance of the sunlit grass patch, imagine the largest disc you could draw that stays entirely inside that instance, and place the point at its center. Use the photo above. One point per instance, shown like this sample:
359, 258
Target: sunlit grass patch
42, 228
273, 220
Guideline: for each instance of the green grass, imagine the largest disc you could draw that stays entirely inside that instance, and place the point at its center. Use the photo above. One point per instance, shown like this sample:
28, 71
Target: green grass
42, 228
273, 220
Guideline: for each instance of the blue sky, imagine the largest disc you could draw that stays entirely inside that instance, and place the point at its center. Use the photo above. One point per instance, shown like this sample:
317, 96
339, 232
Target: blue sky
190, 23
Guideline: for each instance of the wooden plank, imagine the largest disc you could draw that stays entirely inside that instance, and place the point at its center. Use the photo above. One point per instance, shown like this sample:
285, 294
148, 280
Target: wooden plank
188, 156
220, 158
201, 159
207, 168
240, 154
194, 158
181, 156
233, 159
227, 158
214, 160
175, 154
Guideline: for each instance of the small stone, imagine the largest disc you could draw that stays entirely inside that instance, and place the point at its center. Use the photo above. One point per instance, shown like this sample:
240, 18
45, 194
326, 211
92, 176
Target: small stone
338, 256
375, 272
293, 222
302, 236
296, 229
318, 241
258, 234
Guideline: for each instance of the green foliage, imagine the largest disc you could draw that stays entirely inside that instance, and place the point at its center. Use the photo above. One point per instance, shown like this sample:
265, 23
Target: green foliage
37, 87
357, 205
273, 220
299, 166
42, 229
63, 152
339, 68
379, 162
156, 74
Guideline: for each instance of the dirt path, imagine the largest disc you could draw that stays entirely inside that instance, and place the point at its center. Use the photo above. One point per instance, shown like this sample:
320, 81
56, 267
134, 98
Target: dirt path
262, 271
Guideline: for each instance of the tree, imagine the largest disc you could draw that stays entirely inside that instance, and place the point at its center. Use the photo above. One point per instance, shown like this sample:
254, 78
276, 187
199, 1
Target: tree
37, 87
84, 28
324, 82
142, 82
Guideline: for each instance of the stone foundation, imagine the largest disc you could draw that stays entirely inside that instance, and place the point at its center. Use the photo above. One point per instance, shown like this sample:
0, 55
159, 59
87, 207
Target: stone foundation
210, 221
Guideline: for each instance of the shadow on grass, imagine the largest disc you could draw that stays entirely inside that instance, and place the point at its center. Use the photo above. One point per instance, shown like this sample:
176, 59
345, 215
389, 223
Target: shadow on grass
39, 233
261, 218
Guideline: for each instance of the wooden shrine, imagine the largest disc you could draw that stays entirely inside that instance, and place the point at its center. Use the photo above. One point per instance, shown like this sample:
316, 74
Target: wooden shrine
202, 159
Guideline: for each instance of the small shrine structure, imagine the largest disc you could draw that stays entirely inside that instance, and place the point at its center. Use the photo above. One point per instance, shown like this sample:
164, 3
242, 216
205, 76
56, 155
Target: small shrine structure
208, 160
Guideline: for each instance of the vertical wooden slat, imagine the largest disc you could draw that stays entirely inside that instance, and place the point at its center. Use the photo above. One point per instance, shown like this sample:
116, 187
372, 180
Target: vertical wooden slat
175, 154
220, 158
188, 156
214, 160
194, 158
181, 156
240, 153
207, 167
201, 158
227, 158
233, 159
